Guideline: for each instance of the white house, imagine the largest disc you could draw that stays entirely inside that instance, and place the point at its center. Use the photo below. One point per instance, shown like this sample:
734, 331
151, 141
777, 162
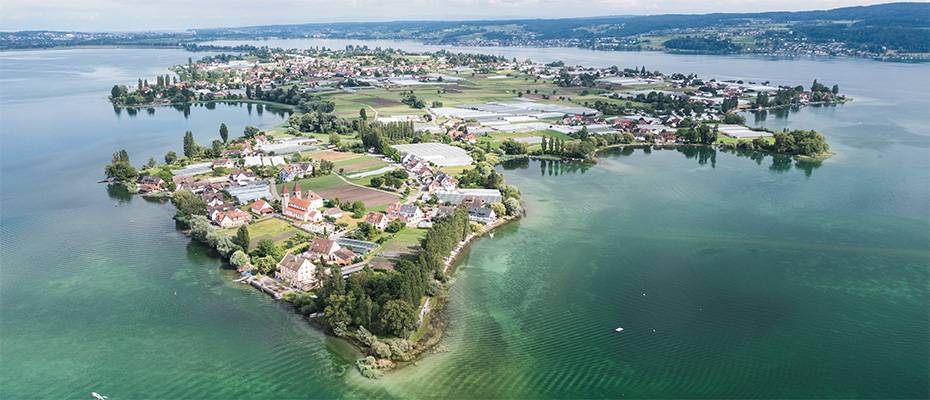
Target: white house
297, 271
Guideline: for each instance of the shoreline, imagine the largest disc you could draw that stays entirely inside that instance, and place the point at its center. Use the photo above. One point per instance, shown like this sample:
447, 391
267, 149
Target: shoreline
204, 102
435, 318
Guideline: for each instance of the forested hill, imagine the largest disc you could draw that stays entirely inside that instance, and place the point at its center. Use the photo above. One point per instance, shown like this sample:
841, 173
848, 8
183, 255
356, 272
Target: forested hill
876, 31
897, 26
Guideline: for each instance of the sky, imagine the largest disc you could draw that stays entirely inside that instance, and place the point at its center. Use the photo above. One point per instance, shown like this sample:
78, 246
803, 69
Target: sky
137, 15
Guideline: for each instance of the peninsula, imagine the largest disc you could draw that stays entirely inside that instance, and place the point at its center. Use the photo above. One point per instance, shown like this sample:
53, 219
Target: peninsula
355, 209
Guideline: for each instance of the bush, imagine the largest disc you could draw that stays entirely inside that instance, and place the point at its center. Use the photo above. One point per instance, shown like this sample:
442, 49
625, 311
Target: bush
239, 259
395, 226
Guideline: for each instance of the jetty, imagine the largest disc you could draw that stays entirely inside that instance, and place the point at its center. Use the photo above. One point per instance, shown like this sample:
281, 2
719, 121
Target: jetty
267, 285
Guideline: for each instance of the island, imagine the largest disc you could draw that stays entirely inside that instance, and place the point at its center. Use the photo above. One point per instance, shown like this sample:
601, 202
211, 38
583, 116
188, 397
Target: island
355, 209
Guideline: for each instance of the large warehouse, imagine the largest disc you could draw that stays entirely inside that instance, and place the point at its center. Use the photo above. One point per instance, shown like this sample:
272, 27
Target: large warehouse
440, 154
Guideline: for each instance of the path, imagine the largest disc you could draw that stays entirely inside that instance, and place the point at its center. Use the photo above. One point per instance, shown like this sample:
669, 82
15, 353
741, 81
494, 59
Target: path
273, 188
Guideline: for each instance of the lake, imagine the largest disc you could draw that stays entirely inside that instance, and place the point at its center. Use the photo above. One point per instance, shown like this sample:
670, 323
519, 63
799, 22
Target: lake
732, 276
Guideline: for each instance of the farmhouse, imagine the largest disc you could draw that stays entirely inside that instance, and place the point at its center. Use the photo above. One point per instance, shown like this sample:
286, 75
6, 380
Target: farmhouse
298, 271
379, 220
290, 172
409, 213
261, 207
329, 251
484, 215
232, 218
148, 184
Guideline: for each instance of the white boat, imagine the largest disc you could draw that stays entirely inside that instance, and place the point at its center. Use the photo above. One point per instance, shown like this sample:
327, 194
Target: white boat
620, 329
98, 396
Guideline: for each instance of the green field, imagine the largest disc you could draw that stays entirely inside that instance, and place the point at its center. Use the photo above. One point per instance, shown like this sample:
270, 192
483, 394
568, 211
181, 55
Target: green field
405, 242
478, 89
269, 228
316, 183
361, 163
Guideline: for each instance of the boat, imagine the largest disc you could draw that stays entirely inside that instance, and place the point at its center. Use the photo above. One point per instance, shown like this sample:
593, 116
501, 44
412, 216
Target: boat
98, 396
619, 329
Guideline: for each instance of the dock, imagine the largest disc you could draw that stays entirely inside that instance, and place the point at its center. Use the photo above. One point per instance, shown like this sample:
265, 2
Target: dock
267, 285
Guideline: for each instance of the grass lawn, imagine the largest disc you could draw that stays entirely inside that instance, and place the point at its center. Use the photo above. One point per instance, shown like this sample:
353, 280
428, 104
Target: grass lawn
455, 170
496, 138
268, 228
405, 242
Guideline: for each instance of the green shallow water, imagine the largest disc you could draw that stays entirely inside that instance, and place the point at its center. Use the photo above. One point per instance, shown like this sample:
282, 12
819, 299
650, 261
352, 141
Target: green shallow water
732, 276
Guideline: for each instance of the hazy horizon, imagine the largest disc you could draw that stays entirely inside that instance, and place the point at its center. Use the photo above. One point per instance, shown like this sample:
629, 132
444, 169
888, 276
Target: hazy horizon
177, 15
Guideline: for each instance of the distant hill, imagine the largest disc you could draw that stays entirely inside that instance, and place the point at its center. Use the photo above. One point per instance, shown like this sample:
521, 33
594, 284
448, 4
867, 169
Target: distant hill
897, 26
873, 31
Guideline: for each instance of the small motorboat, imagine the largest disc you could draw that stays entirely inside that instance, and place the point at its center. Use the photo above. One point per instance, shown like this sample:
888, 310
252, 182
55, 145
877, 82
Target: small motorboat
98, 396
619, 329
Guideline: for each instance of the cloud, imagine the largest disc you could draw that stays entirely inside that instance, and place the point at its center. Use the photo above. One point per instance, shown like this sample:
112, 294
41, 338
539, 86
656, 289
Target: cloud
100, 15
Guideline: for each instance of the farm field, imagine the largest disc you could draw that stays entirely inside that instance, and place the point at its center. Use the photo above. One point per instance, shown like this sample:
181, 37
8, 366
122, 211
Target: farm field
329, 155
374, 200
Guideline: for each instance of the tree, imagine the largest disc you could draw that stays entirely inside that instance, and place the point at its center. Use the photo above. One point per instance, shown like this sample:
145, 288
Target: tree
511, 146
364, 310
121, 171
836, 89
365, 231
337, 312
268, 248
200, 227
242, 237
250, 131
395, 226
224, 245
224, 132
512, 206
216, 148
398, 317
188, 204
239, 259
171, 157
362, 114
120, 156
151, 163
190, 147
116, 92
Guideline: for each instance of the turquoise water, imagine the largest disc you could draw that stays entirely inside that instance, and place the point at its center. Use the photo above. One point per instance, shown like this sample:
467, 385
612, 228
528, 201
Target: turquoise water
732, 276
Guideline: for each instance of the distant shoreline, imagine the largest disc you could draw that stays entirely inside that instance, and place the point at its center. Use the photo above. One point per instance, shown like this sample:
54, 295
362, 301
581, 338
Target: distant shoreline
525, 46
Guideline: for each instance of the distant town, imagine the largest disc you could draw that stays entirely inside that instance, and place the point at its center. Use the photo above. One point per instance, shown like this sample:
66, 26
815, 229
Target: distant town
355, 210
